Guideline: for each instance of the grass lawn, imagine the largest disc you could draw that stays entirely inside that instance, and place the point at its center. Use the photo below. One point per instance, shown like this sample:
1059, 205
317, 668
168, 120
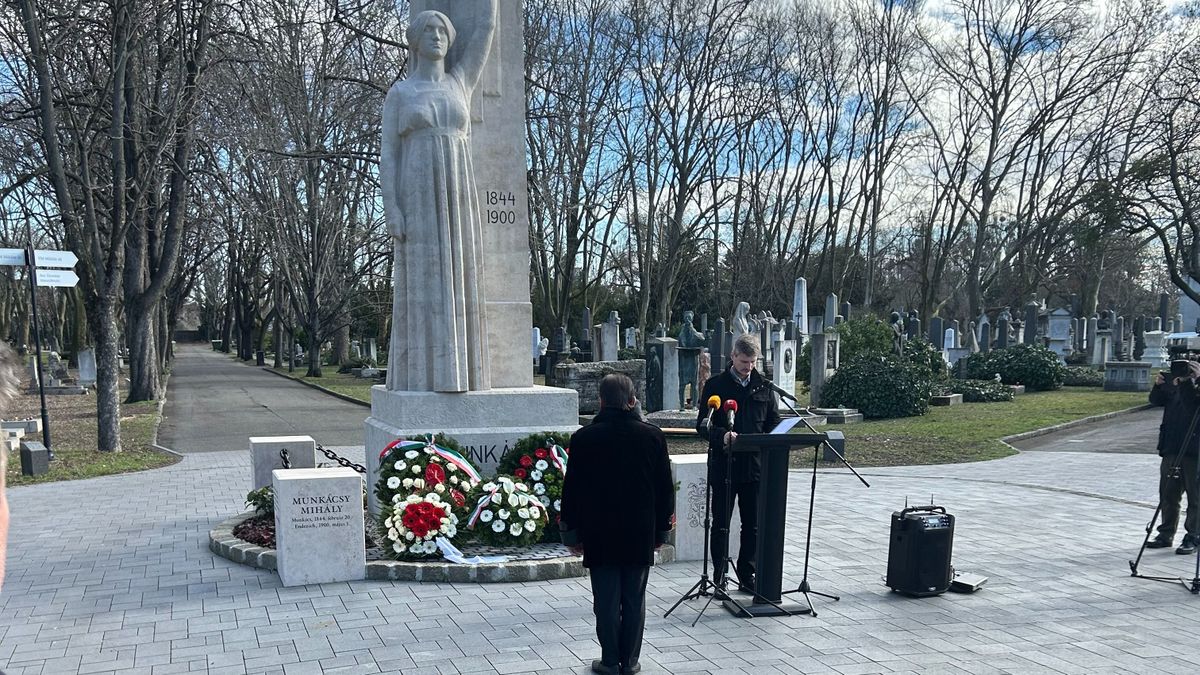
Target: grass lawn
343, 383
963, 433
73, 435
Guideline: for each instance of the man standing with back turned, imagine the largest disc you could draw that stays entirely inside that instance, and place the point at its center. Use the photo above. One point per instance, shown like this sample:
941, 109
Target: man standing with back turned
617, 506
757, 413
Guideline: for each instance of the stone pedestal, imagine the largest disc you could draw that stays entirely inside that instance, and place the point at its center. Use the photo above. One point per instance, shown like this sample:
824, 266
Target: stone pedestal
662, 374
319, 528
265, 458
1156, 349
1127, 376
486, 423
584, 380
690, 472
35, 458
30, 427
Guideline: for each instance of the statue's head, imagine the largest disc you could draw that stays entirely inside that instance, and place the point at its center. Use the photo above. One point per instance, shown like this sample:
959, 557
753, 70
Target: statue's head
688, 316
430, 35
743, 308
895, 317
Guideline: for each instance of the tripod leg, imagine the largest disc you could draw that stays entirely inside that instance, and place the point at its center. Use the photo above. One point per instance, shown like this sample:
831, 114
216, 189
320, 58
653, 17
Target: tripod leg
695, 591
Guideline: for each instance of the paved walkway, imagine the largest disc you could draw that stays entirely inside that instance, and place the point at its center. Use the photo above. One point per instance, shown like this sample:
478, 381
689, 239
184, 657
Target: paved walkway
1135, 432
113, 575
217, 402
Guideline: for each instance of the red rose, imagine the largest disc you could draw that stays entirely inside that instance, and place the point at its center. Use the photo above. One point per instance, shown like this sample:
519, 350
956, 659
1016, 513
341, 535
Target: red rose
526, 461
541, 453
520, 473
434, 475
458, 498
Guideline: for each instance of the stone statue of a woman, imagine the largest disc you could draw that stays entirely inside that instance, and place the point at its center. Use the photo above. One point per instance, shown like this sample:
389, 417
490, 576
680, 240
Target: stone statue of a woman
439, 332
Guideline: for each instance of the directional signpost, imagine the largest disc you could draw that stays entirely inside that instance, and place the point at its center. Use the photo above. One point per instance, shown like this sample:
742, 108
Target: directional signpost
34, 261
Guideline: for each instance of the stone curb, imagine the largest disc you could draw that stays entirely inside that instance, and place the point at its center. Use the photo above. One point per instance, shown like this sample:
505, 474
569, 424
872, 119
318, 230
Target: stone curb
222, 542
1069, 425
318, 387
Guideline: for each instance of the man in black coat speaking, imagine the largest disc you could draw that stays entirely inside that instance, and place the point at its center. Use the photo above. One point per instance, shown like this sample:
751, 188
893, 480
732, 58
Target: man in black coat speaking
757, 413
618, 504
1180, 401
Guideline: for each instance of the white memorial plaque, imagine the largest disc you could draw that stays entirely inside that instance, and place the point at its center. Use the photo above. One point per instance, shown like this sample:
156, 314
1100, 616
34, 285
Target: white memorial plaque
319, 528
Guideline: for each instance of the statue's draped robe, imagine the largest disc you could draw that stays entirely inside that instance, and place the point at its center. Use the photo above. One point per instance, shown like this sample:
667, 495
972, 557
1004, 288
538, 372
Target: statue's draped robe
439, 336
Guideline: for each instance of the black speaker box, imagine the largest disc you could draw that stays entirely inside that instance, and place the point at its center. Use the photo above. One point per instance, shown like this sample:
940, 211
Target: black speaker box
922, 541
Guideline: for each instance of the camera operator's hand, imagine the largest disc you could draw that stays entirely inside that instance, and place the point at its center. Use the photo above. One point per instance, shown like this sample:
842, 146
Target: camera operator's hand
1159, 379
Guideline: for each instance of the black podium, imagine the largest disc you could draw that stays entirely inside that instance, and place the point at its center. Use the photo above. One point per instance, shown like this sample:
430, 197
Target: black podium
773, 450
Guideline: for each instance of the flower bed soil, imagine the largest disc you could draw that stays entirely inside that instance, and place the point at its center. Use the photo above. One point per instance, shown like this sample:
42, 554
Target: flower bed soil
259, 530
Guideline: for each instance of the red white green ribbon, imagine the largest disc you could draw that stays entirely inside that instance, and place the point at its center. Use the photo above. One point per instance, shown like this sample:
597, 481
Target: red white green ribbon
559, 457
450, 456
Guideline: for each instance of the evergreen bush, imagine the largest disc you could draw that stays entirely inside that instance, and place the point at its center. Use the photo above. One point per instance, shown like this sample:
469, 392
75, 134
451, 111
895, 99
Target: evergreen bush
1082, 376
1034, 366
880, 386
981, 391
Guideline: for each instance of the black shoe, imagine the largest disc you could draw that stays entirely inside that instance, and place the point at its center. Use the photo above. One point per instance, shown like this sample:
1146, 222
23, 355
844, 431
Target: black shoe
1160, 542
603, 668
1187, 546
632, 668
747, 585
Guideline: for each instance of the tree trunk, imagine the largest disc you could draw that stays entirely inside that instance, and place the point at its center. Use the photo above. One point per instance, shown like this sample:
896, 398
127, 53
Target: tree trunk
314, 353
145, 378
277, 336
227, 329
108, 375
341, 345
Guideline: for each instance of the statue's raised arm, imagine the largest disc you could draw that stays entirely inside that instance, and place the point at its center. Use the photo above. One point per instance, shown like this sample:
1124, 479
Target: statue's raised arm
479, 45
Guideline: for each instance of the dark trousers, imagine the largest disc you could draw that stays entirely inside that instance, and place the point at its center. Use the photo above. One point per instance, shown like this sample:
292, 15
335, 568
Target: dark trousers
1170, 492
619, 601
746, 494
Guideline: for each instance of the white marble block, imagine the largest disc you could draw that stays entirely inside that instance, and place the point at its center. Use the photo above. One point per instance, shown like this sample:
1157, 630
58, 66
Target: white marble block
319, 529
785, 369
691, 474
264, 455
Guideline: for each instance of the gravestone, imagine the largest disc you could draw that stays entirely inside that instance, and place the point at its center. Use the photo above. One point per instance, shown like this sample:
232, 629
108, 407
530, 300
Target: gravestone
664, 351
831, 311
1002, 332
704, 324
1101, 351
1032, 309
912, 326
1156, 353
985, 333
819, 366
784, 368
1119, 340
319, 528
718, 348
631, 341
1127, 376
1164, 309
587, 328
1093, 326
936, 333
1059, 332
535, 343
949, 340
845, 310
972, 338
584, 379
609, 338
87, 367
355, 350
1139, 338
689, 373
561, 342
800, 304
958, 336
265, 457
373, 350
35, 458
33, 373
1179, 325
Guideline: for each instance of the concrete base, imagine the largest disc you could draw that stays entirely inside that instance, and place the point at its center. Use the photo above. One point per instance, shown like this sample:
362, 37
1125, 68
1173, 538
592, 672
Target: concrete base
486, 423
948, 399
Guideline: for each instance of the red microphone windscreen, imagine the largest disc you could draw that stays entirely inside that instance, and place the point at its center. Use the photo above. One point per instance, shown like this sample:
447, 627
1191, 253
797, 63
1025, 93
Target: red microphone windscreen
731, 405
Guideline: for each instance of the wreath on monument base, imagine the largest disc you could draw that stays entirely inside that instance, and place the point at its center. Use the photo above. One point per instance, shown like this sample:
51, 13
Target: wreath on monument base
506, 514
540, 461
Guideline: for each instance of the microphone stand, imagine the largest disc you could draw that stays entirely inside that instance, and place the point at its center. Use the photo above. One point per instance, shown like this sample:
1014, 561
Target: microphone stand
805, 588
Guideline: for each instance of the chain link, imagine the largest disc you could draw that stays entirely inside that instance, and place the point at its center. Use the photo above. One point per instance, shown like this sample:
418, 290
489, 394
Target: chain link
285, 458
341, 460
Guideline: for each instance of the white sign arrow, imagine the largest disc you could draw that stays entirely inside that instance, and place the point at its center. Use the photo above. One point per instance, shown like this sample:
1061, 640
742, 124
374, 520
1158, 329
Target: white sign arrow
12, 256
57, 278
55, 259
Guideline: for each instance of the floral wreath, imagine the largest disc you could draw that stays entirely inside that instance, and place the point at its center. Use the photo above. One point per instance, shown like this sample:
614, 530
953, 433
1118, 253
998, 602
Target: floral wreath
413, 524
419, 467
506, 514
540, 461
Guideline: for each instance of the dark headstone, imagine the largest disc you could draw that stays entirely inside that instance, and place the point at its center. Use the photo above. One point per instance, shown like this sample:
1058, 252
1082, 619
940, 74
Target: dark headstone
846, 307
1002, 330
655, 352
937, 332
912, 327
1164, 308
561, 341
716, 348
35, 458
1119, 339
1032, 308
1075, 309
587, 324
704, 323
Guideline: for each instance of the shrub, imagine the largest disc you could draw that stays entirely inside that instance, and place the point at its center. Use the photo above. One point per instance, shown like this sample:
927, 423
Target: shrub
1080, 376
922, 353
861, 337
1034, 366
263, 500
981, 391
880, 386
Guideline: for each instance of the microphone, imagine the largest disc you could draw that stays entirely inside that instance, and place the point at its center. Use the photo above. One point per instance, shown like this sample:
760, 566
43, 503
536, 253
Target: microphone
779, 390
714, 402
731, 408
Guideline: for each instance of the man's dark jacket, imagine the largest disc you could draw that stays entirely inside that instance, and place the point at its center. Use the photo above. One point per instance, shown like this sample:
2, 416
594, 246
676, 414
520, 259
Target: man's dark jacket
757, 413
618, 496
1180, 404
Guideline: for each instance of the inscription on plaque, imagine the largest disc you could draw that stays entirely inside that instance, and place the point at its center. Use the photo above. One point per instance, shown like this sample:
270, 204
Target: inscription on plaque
319, 525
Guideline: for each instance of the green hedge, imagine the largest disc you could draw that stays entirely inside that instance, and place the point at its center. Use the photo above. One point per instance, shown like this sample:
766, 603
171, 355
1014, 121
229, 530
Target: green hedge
981, 391
880, 386
1080, 376
1034, 366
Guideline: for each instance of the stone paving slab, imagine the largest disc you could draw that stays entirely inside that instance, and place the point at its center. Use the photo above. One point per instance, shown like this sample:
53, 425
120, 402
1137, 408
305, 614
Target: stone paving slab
113, 575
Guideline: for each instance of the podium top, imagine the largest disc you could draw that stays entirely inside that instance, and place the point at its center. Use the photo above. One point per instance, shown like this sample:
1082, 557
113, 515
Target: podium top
790, 440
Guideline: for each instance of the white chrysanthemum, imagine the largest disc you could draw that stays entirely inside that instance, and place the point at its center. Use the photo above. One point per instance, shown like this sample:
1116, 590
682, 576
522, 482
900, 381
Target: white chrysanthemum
413, 499
535, 512
393, 482
539, 489
498, 526
545, 501
535, 476
529, 526
489, 486
558, 505
513, 500
440, 487
515, 529
388, 523
523, 513
454, 479
409, 535
504, 514
411, 454
451, 531
419, 483
396, 499
400, 465
541, 465
453, 518
394, 534
416, 469
486, 516
408, 482
451, 467
398, 547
